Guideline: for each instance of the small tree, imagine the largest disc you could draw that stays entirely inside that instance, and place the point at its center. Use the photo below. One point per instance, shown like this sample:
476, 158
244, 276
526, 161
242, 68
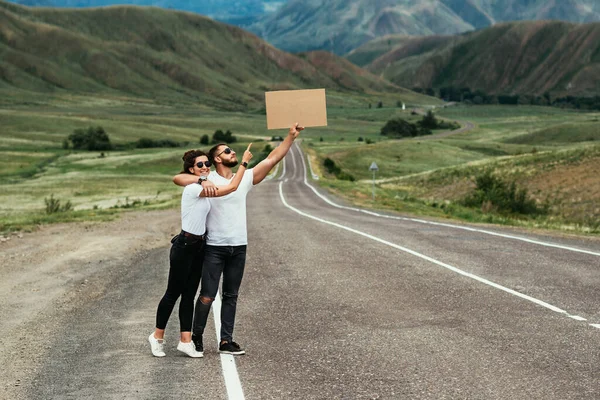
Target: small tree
399, 128
429, 121
220, 137
90, 139
204, 139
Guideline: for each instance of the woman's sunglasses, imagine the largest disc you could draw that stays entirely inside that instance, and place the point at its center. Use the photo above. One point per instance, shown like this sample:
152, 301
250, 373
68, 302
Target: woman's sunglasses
226, 151
199, 164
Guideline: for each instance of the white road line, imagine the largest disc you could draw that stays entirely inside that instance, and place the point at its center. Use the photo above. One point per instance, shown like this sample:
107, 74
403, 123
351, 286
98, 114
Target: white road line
424, 257
452, 268
284, 169
310, 167
577, 317
230, 374
546, 244
294, 163
274, 173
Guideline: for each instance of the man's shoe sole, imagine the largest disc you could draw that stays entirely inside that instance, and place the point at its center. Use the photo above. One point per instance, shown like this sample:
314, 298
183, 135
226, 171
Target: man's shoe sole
233, 353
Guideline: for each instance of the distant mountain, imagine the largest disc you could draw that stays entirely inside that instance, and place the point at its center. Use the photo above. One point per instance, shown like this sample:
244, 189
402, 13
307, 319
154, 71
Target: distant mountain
342, 25
508, 58
243, 11
155, 53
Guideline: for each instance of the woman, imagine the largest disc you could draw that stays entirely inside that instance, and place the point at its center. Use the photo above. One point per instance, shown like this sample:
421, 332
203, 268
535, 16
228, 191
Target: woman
187, 252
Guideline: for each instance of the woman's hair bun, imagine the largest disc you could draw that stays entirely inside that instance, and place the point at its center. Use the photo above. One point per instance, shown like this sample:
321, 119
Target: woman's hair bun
187, 153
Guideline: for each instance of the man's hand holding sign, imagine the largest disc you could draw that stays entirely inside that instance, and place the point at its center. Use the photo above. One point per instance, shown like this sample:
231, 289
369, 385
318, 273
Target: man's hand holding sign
284, 108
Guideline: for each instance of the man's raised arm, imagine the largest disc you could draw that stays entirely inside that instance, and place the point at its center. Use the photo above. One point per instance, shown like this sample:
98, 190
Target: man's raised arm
262, 168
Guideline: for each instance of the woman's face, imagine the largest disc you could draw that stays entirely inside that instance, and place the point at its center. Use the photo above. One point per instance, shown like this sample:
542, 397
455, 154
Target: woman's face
205, 166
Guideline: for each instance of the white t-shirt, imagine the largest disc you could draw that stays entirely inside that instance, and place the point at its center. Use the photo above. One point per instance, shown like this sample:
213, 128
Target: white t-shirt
194, 210
226, 222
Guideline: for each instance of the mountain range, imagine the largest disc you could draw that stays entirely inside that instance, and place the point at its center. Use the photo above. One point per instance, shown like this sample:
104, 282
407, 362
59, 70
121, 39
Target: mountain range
155, 53
340, 26
527, 57
241, 11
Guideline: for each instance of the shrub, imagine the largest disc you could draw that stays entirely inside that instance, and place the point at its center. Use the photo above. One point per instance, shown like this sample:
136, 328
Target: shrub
360, 139
220, 137
337, 171
91, 139
429, 121
329, 164
146, 143
399, 127
204, 139
493, 194
53, 205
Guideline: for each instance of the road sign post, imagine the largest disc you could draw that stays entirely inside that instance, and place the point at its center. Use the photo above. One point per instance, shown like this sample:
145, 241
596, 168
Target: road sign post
374, 168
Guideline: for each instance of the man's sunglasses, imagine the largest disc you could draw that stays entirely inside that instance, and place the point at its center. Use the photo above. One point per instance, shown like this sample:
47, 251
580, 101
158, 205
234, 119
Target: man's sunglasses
226, 151
199, 164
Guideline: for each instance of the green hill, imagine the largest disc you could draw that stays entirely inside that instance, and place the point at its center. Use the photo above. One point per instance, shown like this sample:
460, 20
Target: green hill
401, 46
520, 58
158, 54
561, 134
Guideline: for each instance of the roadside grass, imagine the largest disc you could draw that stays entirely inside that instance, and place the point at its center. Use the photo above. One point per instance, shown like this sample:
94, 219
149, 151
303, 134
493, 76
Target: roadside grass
397, 157
430, 177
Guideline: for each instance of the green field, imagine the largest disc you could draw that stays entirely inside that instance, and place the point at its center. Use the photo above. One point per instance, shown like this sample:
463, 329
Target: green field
413, 174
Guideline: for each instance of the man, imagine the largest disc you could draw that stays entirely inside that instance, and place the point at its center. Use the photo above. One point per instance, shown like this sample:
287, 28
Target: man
227, 237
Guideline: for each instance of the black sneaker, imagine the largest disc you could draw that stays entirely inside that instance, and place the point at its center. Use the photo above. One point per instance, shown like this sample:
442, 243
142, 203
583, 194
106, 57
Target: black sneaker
231, 348
197, 340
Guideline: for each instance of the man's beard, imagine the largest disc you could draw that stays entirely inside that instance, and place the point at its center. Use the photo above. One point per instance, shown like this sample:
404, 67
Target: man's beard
230, 164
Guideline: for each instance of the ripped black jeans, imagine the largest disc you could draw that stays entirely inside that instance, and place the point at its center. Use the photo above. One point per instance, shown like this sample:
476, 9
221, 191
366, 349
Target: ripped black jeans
229, 261
186, 257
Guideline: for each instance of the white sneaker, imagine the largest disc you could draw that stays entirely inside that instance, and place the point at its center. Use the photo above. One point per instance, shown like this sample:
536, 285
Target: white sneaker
157, 346
189, 349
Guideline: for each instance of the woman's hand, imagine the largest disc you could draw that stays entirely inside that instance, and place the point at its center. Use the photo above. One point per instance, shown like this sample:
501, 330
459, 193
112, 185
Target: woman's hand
247, 155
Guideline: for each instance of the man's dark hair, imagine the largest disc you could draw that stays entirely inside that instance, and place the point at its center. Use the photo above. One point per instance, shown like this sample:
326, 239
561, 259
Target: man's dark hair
212, 153
189, 158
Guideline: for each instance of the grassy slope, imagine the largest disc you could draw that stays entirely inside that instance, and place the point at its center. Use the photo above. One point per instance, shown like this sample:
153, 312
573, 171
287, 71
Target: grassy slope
157, 54
395, 47
522, 57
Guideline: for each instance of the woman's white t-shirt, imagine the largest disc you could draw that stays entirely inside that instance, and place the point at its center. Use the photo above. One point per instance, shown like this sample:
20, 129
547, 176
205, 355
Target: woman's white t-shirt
194, 210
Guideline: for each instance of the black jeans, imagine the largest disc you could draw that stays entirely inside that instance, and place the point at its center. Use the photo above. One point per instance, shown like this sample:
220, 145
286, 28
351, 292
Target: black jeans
185, 272
229, 261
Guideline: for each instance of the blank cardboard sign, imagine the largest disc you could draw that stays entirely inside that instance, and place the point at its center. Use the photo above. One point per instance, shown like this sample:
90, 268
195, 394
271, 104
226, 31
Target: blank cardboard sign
286, 107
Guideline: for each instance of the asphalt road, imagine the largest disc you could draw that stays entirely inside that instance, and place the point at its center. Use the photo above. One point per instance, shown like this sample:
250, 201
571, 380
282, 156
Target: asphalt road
341, 304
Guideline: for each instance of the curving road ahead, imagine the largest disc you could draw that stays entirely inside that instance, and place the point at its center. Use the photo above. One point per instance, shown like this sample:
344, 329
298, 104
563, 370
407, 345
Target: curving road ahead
340, 303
